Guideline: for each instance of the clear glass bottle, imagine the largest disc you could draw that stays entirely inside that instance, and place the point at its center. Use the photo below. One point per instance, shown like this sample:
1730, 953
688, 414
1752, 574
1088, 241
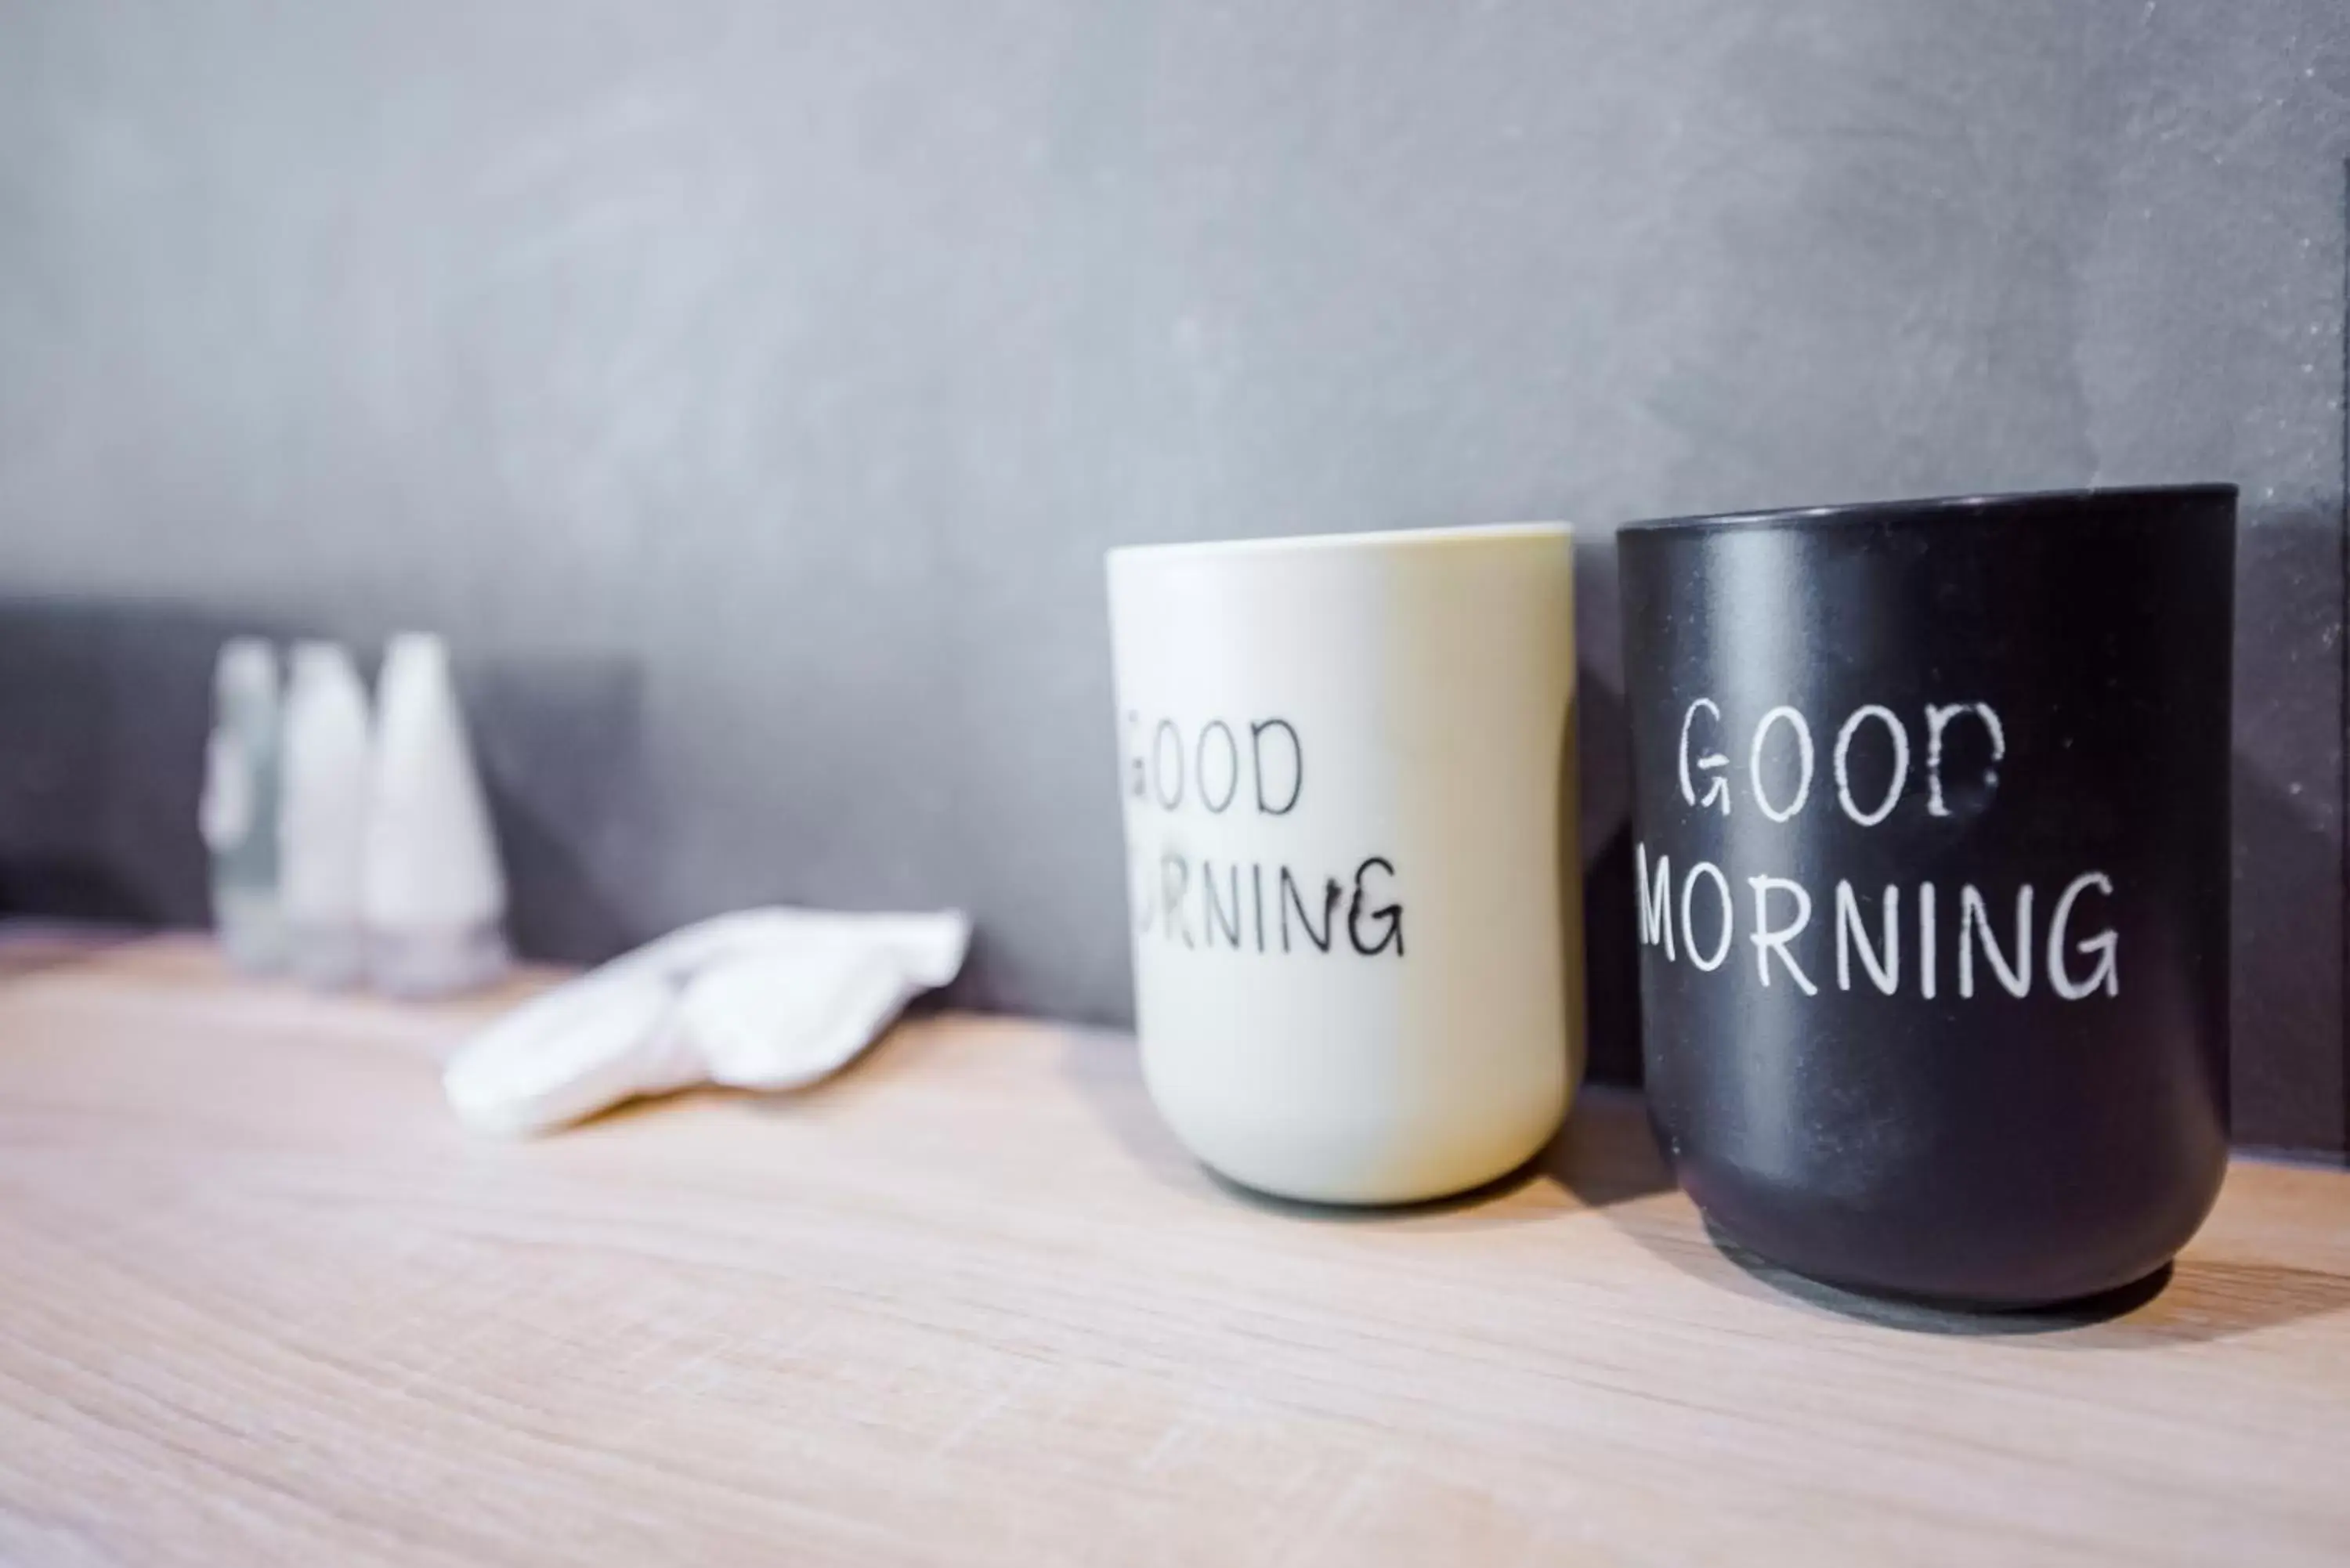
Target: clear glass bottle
239, 811
436, 896
323, 826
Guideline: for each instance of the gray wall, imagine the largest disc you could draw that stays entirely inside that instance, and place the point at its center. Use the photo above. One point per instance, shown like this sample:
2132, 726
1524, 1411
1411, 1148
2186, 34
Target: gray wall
751, 388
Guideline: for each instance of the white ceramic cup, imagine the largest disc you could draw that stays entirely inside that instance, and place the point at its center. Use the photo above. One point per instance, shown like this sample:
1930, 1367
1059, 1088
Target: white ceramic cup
1348, 771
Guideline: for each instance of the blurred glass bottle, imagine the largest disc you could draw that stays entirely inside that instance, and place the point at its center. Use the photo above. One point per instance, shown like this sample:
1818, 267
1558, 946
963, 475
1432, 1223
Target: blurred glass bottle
323, 826
239, 810
435, 895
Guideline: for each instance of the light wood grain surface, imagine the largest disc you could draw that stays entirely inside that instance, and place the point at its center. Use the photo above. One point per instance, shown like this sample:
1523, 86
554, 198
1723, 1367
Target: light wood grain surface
264, 1301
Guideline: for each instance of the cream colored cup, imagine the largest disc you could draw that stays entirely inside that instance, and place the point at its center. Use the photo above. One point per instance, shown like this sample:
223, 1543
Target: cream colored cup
1348, 770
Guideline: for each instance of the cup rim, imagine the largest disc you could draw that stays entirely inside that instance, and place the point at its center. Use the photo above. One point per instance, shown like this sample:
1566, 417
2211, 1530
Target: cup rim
1997, 505
1372, 539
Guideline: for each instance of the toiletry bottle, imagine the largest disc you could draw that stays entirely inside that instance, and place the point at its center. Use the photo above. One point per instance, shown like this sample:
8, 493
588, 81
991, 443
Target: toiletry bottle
239, 811
435, 897
322, 837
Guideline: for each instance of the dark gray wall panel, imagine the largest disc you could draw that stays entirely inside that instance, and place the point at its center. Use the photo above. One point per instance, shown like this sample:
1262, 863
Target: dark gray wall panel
750, 389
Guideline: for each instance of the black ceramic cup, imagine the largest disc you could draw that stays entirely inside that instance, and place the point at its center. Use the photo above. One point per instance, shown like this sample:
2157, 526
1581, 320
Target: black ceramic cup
1931, 868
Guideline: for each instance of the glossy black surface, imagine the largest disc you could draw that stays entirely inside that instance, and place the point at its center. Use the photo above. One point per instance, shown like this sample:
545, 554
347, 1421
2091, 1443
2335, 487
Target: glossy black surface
2040, 1127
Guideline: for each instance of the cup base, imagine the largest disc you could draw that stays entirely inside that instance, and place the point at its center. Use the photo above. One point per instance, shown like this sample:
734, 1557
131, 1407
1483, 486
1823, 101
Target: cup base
1467, 1184
1820, 1276
1448, 1198
1861, 1298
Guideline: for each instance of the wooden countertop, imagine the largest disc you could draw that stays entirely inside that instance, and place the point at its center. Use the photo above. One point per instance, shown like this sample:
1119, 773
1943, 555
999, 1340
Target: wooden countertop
264, 1300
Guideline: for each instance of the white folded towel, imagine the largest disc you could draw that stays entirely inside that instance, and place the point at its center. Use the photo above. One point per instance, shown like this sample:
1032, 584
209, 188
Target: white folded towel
763, 999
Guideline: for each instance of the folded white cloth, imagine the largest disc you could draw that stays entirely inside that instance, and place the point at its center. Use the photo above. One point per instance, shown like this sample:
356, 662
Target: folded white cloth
765, 998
